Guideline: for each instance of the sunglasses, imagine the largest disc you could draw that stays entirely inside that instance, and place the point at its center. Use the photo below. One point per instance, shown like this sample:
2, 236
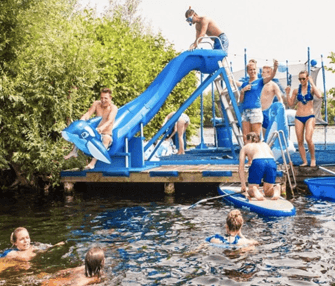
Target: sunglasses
302, 78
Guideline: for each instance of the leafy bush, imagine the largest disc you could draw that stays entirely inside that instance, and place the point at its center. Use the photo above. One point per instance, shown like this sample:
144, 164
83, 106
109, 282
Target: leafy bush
54, 63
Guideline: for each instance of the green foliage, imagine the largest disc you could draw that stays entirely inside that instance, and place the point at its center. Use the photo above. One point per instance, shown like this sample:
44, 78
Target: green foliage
54, 72
331, 93
208, 107
54, 62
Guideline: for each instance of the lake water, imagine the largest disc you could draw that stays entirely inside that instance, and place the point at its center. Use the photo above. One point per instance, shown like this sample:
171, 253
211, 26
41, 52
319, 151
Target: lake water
148, 236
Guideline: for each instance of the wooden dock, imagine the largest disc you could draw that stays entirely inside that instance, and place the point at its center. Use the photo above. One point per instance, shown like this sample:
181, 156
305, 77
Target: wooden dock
206, 173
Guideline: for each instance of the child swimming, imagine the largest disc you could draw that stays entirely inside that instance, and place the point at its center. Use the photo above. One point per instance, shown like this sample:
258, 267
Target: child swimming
234, 237
87, 274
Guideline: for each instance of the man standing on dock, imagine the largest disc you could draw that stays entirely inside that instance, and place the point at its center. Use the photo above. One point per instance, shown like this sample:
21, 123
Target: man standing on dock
206, 26
269, 92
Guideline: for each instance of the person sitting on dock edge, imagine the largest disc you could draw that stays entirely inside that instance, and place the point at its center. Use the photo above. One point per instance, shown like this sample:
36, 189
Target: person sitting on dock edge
107, 110
206, 26
263, 166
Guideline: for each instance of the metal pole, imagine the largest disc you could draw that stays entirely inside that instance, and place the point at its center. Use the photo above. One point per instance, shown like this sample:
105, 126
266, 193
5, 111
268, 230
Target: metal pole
287, 81
308, 61
213, 111
325, 98
324, 88
245, 62
202, 144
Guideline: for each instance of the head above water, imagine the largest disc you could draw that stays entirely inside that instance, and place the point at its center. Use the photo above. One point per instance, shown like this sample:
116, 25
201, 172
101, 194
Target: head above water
253, 137
234, 221
94, 262
20, 238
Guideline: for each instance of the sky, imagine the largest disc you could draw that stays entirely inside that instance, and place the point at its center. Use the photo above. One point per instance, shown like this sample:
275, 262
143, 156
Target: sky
268, 30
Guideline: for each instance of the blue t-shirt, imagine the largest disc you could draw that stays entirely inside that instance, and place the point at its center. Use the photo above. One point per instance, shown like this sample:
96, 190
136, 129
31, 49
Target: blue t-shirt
252, 97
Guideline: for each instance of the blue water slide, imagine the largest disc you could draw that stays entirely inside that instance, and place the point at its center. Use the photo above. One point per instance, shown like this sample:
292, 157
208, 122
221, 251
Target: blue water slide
143, 108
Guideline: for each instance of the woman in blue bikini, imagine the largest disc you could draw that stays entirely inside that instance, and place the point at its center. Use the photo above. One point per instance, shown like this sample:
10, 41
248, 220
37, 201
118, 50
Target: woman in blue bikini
305, 118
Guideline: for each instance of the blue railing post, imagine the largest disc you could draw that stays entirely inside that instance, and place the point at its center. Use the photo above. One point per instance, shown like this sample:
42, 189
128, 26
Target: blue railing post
202, 144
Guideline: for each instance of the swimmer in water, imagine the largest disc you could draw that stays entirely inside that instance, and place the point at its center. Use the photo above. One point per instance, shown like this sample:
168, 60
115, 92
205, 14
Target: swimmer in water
87, 274
22, 249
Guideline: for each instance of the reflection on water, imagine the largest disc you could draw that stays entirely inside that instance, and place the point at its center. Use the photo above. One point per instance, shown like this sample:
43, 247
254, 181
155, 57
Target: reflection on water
153, 239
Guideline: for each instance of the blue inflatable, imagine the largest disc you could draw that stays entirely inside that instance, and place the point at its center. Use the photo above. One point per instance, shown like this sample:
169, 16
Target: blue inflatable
278, 121
84, 135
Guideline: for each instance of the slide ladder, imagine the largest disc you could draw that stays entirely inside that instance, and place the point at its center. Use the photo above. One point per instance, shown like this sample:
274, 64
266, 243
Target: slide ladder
228, 101
288, 167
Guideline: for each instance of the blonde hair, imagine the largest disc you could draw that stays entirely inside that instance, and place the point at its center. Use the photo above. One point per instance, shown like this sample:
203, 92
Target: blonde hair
252, 61
251, 64
13, 236
254, 137
94, 262
304, 72
234, 220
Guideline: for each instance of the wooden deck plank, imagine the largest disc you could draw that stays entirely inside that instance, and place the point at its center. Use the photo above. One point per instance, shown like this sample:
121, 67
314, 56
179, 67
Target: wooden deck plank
186, 174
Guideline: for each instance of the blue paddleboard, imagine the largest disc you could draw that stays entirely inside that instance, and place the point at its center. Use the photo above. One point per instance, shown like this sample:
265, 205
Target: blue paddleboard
268, 207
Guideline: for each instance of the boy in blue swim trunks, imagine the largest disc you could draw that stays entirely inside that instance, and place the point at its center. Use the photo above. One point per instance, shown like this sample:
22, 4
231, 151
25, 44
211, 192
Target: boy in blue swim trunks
263, 166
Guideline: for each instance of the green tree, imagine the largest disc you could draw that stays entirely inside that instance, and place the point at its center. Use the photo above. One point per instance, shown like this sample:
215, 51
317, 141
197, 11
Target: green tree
53, 65
55, 61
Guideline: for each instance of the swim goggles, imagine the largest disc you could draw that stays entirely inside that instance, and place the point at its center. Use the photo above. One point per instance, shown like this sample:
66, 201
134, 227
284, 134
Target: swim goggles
190, 20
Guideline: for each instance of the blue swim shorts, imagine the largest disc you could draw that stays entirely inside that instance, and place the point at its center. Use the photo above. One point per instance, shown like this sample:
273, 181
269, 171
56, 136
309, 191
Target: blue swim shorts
266, 116
224, 41
262, 168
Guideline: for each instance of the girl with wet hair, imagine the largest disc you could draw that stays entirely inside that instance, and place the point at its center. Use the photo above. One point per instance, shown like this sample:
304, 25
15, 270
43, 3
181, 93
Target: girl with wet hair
234, 236
234, 220
87, 274
94, 262
22, 249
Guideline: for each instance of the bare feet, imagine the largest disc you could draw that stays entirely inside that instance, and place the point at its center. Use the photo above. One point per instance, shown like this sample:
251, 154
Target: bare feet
276, 192
257, 194
304, 164
88, 167
313, 163
73, 153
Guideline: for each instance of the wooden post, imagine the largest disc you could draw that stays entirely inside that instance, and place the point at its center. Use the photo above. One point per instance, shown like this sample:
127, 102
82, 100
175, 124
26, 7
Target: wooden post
169, 188
68, 187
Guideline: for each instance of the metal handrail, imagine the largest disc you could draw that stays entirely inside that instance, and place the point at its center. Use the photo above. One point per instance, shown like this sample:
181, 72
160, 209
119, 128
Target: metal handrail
274, 136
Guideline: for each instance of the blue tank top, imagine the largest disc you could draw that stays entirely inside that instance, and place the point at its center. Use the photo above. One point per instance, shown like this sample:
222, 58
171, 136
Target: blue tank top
223, 240
305, 98
4, 254
252, 97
